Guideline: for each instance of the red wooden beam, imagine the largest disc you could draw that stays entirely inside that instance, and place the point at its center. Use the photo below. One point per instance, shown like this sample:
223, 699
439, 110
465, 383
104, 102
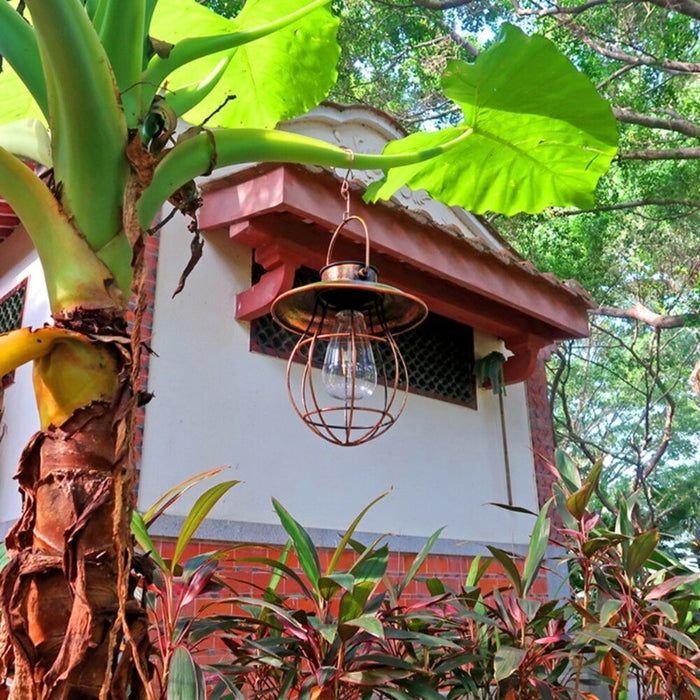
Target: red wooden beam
286, 213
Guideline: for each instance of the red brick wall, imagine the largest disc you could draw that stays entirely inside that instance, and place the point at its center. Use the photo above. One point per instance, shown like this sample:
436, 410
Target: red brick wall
541, 429
249, 578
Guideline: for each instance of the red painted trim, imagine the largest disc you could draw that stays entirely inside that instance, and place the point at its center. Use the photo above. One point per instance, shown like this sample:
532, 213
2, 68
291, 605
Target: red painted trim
289, 212
255, 302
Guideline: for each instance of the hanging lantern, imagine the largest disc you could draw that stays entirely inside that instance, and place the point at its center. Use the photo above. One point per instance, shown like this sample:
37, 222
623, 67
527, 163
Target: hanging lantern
344, 373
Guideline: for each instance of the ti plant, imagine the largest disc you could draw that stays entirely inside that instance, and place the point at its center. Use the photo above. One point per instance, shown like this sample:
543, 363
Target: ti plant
92, 91
334, 638
635, 609
341, 629
171, 590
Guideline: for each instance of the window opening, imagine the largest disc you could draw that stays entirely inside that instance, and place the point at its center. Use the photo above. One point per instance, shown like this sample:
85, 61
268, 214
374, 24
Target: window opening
439, 354
11, 308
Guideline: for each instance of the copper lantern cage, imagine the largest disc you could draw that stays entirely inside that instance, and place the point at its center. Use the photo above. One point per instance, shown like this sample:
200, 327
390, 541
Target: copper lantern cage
344, 373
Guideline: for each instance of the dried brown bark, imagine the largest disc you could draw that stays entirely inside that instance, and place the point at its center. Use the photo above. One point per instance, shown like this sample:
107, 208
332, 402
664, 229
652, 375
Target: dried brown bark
65, 593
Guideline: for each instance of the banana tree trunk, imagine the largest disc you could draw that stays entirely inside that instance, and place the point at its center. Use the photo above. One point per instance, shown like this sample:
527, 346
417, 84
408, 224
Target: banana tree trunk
65, 594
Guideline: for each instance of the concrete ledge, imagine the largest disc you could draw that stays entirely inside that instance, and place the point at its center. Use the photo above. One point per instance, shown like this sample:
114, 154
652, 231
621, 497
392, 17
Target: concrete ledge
273, 534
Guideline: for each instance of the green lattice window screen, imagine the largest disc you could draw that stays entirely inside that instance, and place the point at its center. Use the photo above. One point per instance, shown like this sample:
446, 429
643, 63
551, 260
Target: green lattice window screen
439, 354
11, 308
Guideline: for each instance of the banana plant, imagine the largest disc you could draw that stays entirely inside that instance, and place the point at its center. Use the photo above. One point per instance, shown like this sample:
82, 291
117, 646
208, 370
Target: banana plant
92, 91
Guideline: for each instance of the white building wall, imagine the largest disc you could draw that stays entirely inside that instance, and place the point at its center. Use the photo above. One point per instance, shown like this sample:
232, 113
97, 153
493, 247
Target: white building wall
216, 403
18, 261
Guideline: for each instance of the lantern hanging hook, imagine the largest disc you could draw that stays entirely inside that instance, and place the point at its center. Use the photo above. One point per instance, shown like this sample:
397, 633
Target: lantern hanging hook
348, 217
345, 185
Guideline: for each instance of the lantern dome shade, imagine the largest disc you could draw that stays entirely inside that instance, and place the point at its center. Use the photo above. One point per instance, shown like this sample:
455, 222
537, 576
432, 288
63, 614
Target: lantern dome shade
302, 310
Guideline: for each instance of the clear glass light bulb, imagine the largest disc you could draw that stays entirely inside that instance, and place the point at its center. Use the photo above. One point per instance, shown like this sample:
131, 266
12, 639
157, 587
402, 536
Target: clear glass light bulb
341, 371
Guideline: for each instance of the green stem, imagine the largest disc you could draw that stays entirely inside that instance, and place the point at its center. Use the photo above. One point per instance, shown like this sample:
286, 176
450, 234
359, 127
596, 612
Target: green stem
191, 49
233, 146
122, 33
86, 119
75, 276
18, 46
188, 96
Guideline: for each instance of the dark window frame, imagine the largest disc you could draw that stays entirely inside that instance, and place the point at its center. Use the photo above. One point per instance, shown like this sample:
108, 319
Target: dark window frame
21, 290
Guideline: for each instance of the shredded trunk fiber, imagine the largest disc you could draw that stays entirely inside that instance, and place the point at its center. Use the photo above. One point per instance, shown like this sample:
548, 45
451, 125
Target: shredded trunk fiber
70, 560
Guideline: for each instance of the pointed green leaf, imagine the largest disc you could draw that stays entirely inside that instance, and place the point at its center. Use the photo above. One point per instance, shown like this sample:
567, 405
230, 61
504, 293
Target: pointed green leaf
535, 133
349, 533
140, 533
303, 546
623, 521
328, 586
512, 509
608, 609
279, 569
476, 570
419, 689
640, 550
199, 511
369, 623
537, 548
420, 558
183, 683
666, 609
372, 566
509, 567
277, 574
577, 503
352, 604
506, 662
378, 678
682, 638
173, 494
568, 471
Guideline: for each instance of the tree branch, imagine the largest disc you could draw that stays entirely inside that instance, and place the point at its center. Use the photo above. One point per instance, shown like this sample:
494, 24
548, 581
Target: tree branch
641, 313
682, 126
690, 8
557, 10
683, 153
618, 54
630, 205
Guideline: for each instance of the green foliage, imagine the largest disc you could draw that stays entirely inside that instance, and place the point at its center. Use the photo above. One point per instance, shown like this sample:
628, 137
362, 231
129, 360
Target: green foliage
488, 370
628, 613
643, 59
270, 62
172, 589
275, 78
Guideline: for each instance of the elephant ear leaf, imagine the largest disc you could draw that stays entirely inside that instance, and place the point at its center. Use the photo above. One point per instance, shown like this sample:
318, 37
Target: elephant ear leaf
535, 133
17, 102
276, 77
